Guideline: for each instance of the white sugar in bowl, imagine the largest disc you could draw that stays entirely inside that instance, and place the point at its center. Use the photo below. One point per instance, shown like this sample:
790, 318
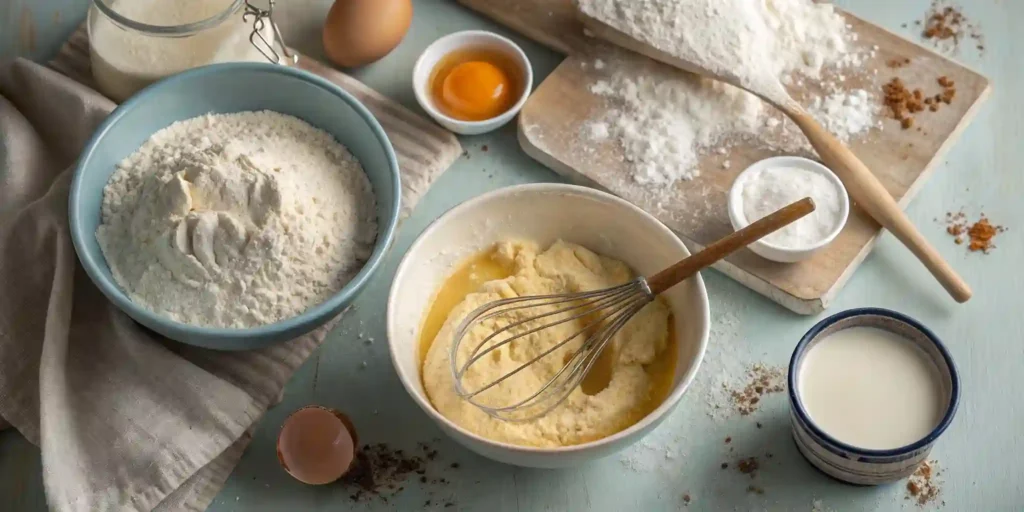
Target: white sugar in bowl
775, 182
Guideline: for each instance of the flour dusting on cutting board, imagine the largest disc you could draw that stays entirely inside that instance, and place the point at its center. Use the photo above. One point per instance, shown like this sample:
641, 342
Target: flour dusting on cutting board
847, 114
665, 119
661, 116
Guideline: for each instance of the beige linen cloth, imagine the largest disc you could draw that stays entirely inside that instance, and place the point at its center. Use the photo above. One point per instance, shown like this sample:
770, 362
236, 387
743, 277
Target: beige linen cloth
125, 420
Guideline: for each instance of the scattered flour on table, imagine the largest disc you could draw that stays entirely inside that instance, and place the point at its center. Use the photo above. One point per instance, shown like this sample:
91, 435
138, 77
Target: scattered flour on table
643, 457
733, 381
664, 120
723, 360
819, 506
732, 370
237, 220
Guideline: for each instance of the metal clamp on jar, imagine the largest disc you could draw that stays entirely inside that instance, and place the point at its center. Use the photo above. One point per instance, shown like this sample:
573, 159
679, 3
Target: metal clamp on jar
134, 43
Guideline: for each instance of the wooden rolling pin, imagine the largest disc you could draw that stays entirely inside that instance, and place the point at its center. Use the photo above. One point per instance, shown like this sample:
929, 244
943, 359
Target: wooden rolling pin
862, 185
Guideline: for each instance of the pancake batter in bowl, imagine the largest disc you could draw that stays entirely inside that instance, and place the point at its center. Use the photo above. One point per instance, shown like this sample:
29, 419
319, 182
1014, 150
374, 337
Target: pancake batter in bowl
631, 378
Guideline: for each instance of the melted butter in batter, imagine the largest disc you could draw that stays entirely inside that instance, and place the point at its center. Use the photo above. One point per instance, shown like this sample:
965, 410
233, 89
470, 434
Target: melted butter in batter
597, 409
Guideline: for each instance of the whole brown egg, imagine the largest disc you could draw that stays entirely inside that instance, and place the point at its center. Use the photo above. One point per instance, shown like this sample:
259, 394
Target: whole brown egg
358, 32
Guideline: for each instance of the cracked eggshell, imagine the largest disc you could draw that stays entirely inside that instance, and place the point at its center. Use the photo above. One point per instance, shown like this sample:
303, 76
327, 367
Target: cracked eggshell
317, 445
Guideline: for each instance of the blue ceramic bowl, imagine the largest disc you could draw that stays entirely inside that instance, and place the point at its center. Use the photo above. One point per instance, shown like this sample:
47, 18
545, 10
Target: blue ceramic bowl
226, 88
858, 465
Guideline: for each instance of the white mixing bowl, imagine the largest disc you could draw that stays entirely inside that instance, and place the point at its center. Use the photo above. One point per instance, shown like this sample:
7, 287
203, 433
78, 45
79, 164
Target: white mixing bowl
542, 213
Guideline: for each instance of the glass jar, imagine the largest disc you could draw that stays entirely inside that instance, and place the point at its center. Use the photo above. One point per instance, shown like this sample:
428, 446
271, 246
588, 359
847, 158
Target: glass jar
134, 43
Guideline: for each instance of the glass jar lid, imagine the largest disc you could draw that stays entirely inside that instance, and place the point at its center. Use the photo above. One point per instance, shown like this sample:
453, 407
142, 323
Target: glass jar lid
260, 19
172, 30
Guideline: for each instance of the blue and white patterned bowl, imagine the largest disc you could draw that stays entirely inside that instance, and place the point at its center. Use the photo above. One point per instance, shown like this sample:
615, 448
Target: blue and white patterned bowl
859, 465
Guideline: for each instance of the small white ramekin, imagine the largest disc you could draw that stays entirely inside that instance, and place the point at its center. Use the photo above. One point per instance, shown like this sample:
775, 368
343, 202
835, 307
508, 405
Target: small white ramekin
543, 213
862, 466
464, 40
772, 251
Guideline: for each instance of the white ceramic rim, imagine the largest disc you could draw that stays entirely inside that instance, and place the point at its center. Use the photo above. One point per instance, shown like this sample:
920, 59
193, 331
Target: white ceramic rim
407, 265
739, 219
419, 89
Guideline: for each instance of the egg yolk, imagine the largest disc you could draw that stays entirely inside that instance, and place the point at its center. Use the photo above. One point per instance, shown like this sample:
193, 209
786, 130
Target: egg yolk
476, 91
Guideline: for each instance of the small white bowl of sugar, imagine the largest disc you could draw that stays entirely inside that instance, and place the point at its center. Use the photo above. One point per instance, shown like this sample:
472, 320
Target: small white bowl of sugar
772, 183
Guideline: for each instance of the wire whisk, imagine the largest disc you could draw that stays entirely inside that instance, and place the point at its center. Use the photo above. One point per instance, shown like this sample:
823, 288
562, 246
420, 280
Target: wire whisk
584, 324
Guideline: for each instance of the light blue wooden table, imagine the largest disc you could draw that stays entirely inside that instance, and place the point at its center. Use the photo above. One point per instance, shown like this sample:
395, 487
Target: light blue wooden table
980, 454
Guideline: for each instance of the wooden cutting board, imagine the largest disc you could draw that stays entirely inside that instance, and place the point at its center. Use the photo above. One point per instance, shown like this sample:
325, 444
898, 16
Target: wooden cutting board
424, 149
550, 126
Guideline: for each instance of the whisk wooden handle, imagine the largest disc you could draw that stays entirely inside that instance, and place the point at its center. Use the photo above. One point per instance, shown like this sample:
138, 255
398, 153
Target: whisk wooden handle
680, 271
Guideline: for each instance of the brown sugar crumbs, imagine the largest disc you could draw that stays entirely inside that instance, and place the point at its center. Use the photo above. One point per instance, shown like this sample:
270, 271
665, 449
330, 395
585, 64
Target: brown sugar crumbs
923, 486
898, 62
762, 380
903, 102
748, 466
946, 26
979, 235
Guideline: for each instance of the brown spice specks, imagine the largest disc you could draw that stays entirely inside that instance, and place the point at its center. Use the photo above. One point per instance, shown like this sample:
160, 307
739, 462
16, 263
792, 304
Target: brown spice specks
748, 466
979, 235
924, 486
898, 62
904, 103
762, 380
380, 470
946, 27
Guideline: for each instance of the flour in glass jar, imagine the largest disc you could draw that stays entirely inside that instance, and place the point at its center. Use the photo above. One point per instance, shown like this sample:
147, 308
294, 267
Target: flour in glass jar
125, 60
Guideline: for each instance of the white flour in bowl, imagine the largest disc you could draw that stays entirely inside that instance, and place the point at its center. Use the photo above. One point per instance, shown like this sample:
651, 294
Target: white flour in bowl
237, 220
